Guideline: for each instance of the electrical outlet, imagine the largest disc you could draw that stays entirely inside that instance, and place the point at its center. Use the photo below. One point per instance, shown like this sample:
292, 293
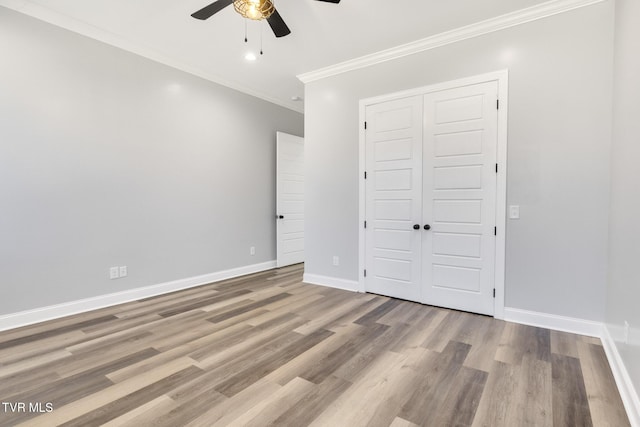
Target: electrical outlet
336, 261
123, 271
114, 273
626, 332
252, 250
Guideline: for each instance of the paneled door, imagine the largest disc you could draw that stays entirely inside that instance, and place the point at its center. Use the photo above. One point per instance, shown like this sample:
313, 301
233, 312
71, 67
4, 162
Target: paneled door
459, 197
289, 199
430, 197
393, 198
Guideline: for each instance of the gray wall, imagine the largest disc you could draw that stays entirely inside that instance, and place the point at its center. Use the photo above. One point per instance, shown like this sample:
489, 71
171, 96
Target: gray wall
624, 277
110, 159
560, 71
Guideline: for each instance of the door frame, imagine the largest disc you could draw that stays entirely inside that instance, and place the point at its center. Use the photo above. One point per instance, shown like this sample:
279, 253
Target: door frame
502, 78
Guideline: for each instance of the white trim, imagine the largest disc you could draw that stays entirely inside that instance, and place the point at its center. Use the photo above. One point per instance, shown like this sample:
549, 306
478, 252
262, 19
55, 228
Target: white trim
104, 36
331, 282
553, 321
491, 25
23, 318
362, 199
502, 77
501, 195
628, 393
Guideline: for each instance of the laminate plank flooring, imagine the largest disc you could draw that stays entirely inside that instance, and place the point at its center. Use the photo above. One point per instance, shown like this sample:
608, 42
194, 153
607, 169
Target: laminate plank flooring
269, 350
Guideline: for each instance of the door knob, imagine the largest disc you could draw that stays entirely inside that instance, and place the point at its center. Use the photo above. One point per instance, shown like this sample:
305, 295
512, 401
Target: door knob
416, 226
280, 217
427, 227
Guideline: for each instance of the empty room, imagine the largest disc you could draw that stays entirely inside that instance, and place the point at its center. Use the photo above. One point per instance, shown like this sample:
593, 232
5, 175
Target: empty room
319, 212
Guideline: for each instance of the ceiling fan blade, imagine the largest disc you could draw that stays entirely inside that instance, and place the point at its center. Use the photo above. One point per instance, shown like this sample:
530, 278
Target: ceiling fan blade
208, 11
330, 1
277, 24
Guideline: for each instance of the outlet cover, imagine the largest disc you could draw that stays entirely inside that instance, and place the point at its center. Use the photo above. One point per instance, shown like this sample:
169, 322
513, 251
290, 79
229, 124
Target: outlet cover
123, 271
252, 250
336, 261
114, 273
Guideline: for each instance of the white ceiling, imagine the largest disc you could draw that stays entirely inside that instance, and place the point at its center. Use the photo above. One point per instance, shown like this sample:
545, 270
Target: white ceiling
323, 34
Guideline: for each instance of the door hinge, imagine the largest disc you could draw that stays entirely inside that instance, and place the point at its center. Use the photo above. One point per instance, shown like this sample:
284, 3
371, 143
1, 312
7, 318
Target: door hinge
497, 104
494, 292
365, 174
365, 273
495, 231
496, 168
365, 224
365, 125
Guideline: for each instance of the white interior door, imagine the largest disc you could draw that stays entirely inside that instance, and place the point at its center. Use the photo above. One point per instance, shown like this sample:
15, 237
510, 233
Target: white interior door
393, 198
290, 199
459, 197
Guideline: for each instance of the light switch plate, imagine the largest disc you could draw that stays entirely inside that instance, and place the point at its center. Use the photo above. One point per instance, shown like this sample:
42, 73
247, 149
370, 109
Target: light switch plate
514, 212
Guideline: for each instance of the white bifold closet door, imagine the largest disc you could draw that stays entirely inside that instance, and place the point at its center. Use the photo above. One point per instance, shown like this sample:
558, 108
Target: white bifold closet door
431, 196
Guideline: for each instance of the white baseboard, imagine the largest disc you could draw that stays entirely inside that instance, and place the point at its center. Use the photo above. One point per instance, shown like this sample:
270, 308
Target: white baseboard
28, 317
331, 282
553, 321
628, 393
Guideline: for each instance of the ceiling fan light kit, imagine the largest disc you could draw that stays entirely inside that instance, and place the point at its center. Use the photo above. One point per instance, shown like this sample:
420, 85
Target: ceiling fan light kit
256, 10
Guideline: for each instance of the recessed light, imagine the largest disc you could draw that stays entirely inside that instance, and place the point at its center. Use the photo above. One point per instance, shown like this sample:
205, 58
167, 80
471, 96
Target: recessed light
250, 56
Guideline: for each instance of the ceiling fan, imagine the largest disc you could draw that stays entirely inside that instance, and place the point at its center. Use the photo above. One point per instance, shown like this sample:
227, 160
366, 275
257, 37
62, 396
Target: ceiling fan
251, 9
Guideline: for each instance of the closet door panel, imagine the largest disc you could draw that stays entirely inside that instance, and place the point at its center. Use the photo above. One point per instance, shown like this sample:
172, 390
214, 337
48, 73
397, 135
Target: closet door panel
394, 198
459, 182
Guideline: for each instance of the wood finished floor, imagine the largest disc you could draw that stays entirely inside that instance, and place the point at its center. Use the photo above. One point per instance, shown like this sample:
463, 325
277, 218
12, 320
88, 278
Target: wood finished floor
267, 349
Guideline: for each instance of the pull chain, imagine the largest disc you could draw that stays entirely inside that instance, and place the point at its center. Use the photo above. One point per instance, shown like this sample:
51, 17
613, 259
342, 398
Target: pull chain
246, 38
261, 39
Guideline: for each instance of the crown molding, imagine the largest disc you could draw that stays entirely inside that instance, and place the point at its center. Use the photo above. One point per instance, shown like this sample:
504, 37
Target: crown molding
47, 15
512, 19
